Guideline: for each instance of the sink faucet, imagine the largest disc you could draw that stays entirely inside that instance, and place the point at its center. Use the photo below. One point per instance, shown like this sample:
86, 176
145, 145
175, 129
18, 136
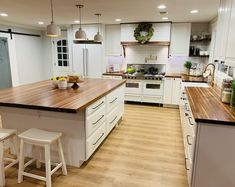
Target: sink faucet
211, 76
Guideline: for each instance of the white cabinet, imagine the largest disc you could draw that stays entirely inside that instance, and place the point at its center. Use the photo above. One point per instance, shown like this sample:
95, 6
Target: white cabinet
230, 55
113, 40
172, 91
162, 32
180, 39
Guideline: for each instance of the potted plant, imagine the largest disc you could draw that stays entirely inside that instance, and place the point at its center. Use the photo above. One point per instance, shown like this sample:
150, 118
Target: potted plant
188, 66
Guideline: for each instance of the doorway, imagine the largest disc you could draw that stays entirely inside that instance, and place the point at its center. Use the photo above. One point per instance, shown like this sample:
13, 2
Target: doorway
5, 70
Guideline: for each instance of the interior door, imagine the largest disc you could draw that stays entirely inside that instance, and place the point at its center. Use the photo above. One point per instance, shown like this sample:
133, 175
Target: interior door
62, 63
5, 71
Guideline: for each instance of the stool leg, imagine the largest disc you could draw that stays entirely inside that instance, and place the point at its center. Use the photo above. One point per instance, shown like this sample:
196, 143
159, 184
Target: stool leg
15, 146
2, 172
48, 165
61, 155
21, 162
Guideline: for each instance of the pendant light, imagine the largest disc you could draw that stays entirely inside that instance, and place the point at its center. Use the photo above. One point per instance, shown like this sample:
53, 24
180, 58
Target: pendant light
80, 34
53, 30
98, 37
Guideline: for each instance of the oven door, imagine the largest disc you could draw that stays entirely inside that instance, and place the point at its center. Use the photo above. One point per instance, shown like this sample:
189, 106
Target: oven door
133, 87
153, 88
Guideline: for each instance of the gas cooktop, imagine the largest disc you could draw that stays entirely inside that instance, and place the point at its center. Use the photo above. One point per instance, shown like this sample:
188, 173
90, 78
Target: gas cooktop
140, 76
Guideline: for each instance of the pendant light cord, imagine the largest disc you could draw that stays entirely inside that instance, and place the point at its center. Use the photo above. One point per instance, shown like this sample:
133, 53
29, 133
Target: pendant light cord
52, 13
98, 23
80, 14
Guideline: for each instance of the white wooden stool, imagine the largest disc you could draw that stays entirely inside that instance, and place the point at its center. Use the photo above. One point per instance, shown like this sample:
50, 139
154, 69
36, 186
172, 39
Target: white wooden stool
7, 134
44, 139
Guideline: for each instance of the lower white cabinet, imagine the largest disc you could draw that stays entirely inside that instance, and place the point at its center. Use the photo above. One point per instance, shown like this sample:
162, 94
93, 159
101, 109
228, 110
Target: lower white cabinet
172, 90
101, 117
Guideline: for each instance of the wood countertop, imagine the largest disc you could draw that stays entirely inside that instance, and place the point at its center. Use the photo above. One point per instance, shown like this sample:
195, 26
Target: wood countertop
186, 78
42, 96
207, 107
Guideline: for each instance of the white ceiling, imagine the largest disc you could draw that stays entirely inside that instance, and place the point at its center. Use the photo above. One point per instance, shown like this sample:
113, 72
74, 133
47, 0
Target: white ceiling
29, 12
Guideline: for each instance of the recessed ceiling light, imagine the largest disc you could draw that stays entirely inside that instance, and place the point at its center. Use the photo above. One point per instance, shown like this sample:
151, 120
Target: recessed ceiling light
4, 14
161, 7
118, 19
40, 23
194, 11
76, 21
165, 18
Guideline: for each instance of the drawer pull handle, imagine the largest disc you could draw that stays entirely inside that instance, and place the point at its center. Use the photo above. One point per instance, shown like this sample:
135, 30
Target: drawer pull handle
186, 164
98, 139
187, 137
186, 114
113, 100
98, 105
98, 120
186, 107
190, 122
113, 120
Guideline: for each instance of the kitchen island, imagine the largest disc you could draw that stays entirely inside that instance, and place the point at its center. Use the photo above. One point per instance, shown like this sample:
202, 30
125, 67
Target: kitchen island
85, 116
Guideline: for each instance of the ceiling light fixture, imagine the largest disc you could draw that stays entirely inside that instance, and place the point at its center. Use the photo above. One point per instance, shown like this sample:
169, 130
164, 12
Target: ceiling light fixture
53, 30
165, 18
4, 14
118, 20
98, 37
80, 34
40, 23
194, 11
76, 21
161, 7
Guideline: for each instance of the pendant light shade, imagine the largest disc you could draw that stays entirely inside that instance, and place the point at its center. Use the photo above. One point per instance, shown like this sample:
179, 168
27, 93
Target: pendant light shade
98, 37
80, 34
53, 30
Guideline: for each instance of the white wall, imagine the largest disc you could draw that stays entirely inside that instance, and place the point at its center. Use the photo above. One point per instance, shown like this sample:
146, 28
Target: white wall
33, 55
137, 54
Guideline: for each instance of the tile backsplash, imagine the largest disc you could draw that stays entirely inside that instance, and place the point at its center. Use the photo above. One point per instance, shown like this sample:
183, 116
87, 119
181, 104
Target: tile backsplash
138, 55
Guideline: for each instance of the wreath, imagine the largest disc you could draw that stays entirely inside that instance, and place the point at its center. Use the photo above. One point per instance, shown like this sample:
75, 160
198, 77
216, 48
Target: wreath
144, 32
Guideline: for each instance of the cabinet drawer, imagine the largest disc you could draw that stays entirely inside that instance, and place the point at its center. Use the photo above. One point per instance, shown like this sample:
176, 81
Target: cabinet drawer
133, 97
95, 106
95, 140
112, 100
112, 119
95, 120
152, 99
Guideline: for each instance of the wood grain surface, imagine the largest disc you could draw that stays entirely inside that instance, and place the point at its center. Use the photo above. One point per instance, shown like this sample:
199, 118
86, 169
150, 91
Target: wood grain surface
206, 106
186, 78
42, 96
145, 150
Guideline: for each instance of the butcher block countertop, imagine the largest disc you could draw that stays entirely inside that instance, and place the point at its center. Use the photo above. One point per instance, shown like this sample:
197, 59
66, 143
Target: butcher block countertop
42, 96
207, 107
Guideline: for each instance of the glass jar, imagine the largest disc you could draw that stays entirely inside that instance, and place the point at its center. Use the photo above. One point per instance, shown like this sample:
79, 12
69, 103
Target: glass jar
233, 95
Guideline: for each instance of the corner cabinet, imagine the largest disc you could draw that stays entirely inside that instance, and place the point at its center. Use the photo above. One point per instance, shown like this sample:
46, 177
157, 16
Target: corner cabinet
162, 32
180, 39
172, 91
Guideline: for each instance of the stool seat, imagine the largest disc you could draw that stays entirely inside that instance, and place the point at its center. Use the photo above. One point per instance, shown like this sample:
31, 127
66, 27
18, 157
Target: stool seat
40, 136
5, 133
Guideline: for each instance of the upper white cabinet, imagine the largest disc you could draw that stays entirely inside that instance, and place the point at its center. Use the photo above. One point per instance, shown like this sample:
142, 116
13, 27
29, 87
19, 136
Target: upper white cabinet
230, 55
180, 39
162, 32
223, 29
113, 40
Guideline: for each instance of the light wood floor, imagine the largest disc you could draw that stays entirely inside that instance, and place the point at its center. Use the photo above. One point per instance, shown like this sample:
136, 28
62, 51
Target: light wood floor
146, 150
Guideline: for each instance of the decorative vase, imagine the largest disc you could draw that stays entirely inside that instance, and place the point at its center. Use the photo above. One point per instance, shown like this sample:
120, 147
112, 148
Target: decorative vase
62, 84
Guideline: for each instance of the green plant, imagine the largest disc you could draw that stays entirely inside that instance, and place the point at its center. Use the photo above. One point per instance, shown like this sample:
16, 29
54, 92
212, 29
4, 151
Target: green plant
144, 27
188, 64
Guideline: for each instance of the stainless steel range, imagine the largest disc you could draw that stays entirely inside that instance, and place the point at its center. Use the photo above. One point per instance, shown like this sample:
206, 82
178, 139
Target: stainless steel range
145, 85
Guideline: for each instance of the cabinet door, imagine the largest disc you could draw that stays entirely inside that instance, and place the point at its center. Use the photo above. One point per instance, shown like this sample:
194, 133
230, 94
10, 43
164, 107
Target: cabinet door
167, 99
180, 39
230, 55
113, 40
78, 59
176, 85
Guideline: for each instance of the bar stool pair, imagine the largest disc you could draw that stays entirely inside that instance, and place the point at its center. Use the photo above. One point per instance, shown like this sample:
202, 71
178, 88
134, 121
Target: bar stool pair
35, 137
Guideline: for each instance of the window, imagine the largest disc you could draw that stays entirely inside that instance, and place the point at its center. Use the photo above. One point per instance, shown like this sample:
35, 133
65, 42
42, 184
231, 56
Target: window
62, 53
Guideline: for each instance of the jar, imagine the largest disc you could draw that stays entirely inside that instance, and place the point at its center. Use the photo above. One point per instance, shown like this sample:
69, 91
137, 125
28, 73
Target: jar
226, 95
226, 84
233, 95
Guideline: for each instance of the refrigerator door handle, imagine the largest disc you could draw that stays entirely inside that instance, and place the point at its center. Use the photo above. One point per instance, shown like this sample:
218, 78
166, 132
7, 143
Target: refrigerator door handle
83, 61
87, 61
